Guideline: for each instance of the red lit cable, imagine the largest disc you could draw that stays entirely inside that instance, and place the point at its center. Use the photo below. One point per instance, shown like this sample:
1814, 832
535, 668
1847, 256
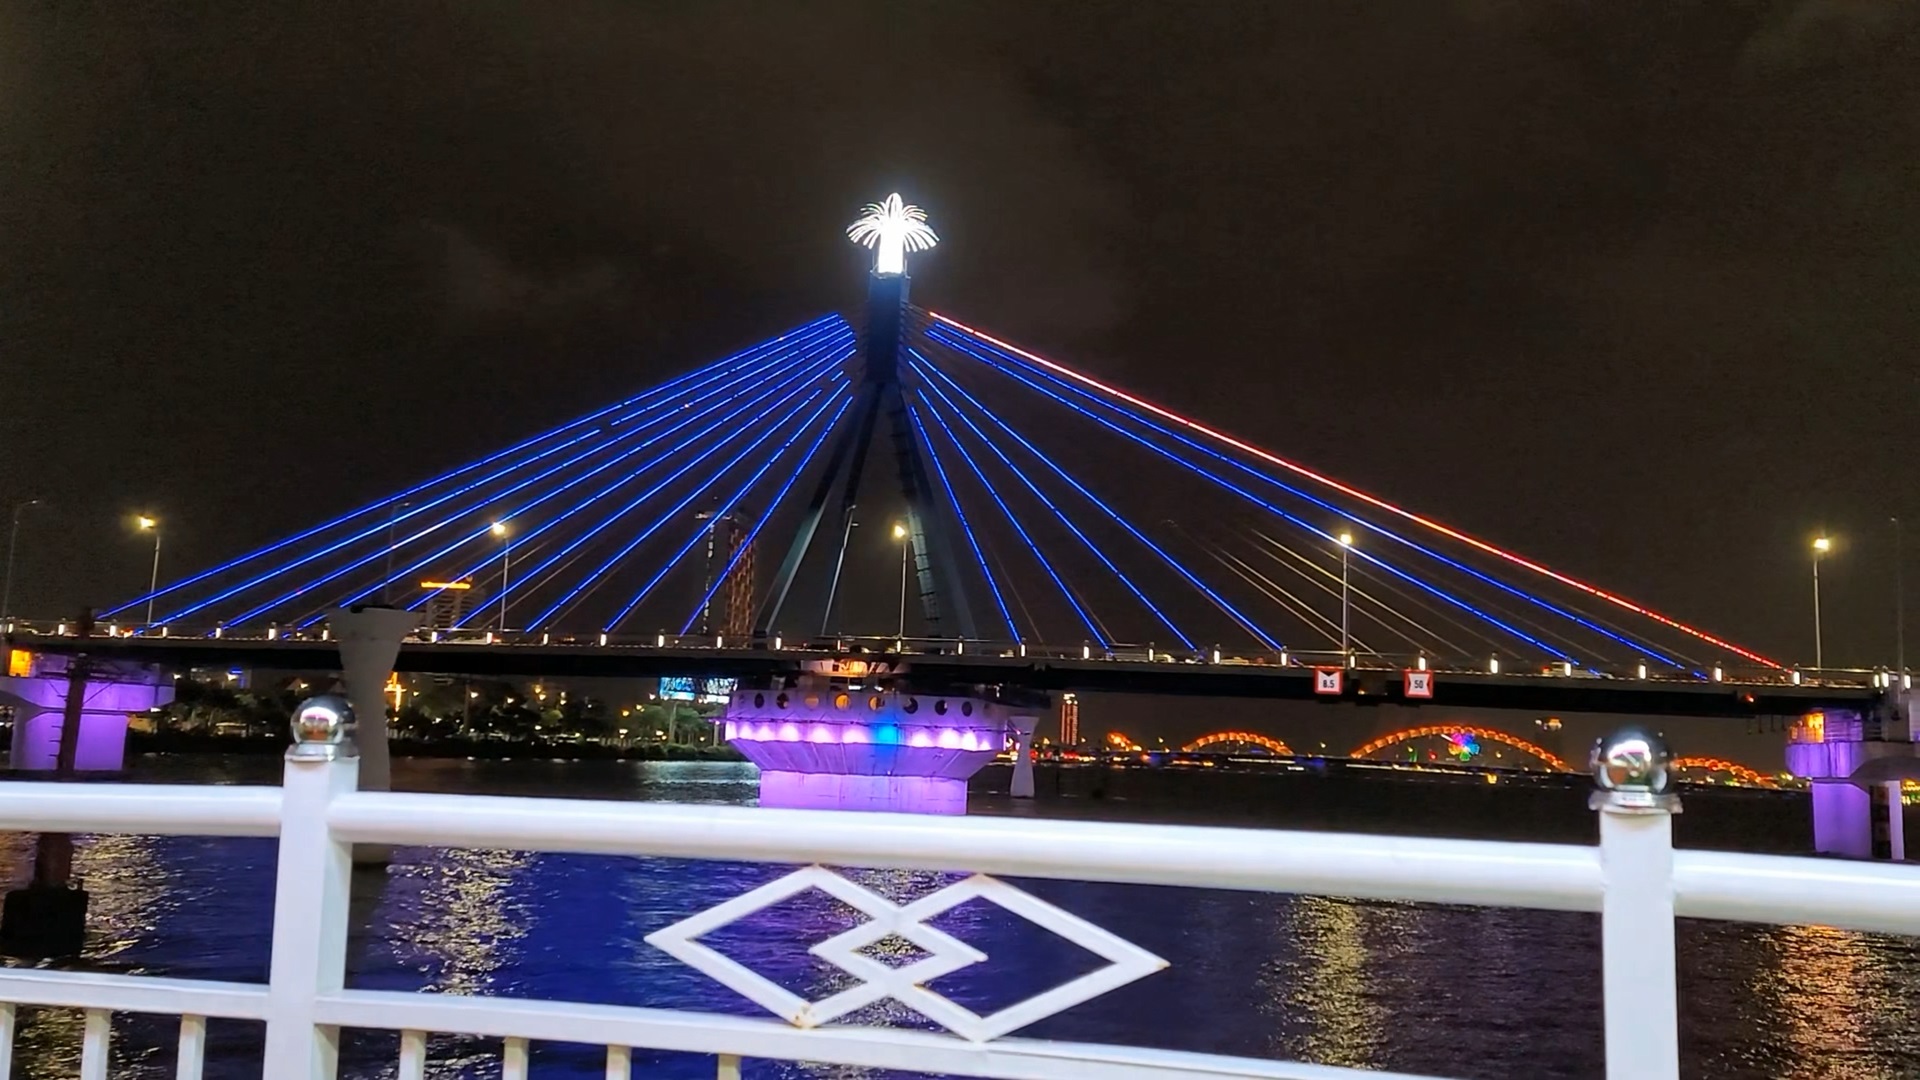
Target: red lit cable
1371, 500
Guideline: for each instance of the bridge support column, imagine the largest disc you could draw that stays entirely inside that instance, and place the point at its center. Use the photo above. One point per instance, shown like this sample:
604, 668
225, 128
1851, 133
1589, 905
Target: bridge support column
1896, 823
369, 640
1826, 748
1022, 786
99, 738
1853, 765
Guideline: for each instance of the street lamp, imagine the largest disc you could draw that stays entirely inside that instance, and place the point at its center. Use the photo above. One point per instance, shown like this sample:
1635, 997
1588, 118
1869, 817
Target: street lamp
13, 540
906, 548
1899, 600
499, 530
1346, 596
1821, 545
152, 525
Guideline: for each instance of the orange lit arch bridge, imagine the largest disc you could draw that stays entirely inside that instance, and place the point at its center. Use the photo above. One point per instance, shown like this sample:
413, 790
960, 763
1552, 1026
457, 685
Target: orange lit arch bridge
1710, 765
1224, 740
1696, 767
1442, 731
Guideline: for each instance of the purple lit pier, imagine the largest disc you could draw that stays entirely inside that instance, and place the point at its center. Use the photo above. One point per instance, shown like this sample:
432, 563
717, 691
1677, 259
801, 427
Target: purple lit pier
832, 748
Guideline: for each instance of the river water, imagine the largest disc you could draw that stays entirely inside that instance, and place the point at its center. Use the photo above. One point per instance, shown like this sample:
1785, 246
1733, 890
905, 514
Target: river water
1459, 992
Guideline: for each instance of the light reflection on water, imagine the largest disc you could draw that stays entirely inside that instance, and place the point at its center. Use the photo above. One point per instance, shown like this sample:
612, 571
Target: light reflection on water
1414, 988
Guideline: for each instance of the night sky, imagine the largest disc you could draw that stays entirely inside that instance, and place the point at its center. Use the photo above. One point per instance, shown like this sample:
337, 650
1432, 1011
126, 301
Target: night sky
1633, 287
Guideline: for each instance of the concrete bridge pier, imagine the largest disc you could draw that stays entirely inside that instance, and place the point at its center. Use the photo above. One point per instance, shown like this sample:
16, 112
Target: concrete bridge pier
1857, 763
370, 640
70, 714
1022, 786
96, 739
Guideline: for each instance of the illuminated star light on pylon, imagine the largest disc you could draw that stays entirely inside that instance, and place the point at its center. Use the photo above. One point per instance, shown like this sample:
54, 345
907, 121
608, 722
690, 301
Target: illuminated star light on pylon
892, 228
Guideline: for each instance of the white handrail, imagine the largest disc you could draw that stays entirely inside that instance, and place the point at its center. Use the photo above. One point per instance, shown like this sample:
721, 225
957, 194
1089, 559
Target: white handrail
133, 993
1553, 876
1873, 897
140, 809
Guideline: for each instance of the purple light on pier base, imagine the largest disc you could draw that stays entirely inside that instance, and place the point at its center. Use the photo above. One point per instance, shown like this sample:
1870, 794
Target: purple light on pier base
39, 711
865, 750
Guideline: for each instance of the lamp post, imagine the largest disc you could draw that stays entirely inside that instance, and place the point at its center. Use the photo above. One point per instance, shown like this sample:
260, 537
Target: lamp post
906, 548
1346, 596
152, 525
499, 530
1821, 545
1899, 602
13, 541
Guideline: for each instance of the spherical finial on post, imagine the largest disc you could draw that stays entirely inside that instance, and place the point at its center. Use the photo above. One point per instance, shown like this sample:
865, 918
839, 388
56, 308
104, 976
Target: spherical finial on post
323, 729
892, 228
1632, 767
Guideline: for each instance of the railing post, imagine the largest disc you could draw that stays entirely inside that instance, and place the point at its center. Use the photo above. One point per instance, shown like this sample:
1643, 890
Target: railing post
1638, 965
311, 890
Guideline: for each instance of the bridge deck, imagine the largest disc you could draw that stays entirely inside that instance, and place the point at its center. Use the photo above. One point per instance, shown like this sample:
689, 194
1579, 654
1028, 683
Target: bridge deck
1235, 679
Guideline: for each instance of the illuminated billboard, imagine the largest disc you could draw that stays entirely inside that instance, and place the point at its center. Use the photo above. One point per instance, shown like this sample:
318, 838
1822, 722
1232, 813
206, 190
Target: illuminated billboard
703, 691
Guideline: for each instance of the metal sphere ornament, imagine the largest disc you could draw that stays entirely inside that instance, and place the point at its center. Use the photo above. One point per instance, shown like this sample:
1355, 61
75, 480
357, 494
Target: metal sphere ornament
323, 729
1633, 766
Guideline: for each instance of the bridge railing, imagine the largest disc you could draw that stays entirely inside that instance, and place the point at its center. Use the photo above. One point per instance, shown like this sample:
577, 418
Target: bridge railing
1633, 878
1733, 675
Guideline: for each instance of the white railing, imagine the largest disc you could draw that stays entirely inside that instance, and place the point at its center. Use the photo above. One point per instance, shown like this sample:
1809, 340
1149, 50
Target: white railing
1633, 878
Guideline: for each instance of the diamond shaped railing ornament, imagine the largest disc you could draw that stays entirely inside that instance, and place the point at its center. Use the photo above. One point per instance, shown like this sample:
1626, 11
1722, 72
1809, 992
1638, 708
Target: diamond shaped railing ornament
907, 983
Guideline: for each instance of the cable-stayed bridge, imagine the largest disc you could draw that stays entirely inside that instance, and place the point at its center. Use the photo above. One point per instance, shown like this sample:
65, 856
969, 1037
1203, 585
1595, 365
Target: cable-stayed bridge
1051, 528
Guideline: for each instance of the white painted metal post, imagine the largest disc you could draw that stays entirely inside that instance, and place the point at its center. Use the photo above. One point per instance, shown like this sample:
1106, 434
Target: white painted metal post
729, 1068
619, 1063
311, 890
96, 1044
1638, 966
513, 1060
413, 1055
192, 1059
1896, 823
1022, 785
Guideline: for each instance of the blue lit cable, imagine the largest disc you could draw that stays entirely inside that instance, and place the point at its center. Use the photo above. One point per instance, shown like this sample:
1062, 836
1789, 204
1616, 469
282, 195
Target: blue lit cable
727, 505
966, 528
722, 396
674, 404
1193, 579
651, 392
739, 407
676, 415
773, 504
963, 344
1034, 489
681, 424
1039, 556
592, 579
732, 412
1277, 511
246, 586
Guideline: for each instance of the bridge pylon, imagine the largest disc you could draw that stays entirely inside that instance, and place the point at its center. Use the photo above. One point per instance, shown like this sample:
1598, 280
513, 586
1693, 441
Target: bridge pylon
943, 602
